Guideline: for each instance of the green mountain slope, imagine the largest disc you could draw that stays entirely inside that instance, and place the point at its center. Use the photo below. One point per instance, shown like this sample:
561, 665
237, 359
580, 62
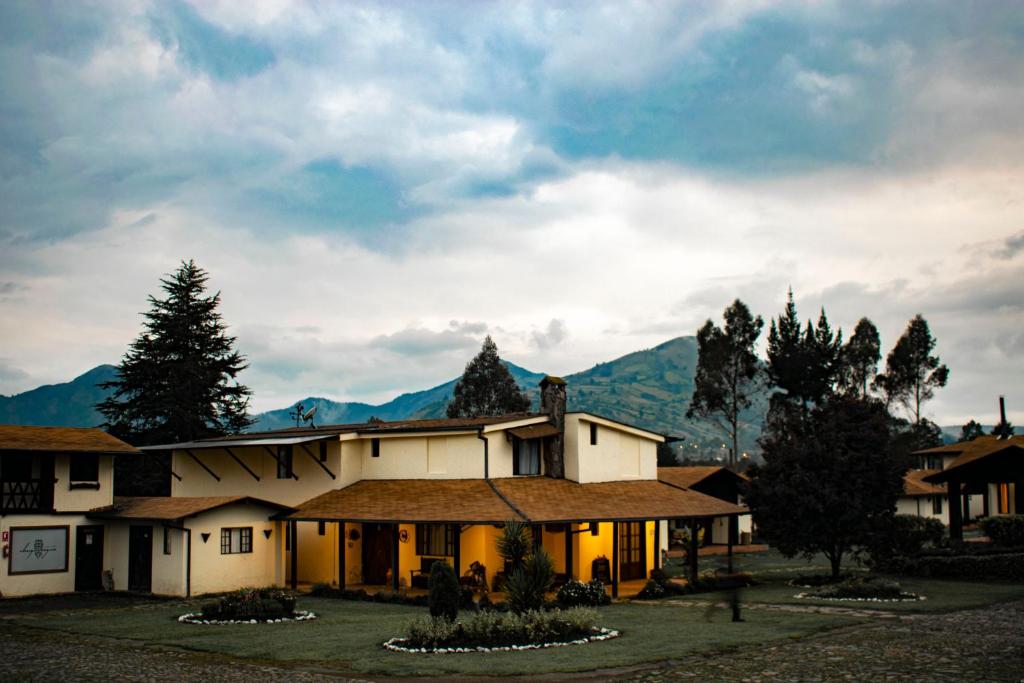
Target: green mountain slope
71, 404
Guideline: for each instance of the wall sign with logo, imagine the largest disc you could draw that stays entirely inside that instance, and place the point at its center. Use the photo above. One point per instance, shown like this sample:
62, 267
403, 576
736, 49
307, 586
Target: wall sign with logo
38, 549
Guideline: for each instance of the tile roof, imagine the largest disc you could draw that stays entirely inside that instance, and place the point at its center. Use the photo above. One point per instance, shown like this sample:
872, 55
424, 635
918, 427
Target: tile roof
542, 499
410, 500
914, 486
535, 431
969, 452
687, 477
172, 508
61, 439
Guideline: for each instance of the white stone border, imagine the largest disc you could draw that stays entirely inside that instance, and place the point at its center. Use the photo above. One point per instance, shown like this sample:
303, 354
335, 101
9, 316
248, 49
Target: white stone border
197, 618
395, 645
905, 597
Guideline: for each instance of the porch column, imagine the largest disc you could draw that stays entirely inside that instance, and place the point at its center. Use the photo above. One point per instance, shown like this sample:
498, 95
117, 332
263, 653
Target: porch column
657, 543
342, 542
293, 529
615, 559
734, 525
966, 500
984, 501
568, 552
394, 558
956, 524
691, 556
457, 543
1018, 497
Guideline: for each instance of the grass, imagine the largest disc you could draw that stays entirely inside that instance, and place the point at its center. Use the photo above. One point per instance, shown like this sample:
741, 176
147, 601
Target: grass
348, 637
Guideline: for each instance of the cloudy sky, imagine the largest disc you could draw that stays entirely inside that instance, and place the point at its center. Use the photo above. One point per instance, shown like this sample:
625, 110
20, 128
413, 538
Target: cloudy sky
374, 187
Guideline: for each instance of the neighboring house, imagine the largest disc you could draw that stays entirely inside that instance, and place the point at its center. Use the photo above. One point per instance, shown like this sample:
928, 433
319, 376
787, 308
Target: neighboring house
718, 482
50, 477
921, 498
989, 467
375, 504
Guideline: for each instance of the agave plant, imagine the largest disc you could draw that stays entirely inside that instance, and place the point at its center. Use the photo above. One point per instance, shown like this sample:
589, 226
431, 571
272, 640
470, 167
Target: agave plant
515, 543
527, 586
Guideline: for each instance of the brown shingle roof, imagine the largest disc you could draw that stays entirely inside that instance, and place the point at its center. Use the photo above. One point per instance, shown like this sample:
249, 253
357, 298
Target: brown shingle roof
172, 508
542, 499
913, 486
970, 452
60, 439
535, 431
687, 477
410, 500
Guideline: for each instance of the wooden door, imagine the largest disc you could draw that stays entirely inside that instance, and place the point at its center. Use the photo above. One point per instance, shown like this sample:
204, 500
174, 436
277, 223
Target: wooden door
377, 543
140, 559
89, 558
632, 551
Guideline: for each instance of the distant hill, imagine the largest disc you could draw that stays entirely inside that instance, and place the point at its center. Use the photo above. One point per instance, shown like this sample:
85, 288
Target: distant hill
71, 404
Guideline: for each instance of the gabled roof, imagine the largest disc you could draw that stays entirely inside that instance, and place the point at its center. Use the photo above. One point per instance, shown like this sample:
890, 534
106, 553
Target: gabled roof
61, 440
914, 486
168, 508
295, 435
410, 500
971, 453
688, 477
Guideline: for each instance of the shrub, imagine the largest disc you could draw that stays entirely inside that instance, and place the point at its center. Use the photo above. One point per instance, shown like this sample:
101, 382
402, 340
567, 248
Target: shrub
976, 566
713, 581
251, 603
526, 587
445, 592
652, 590
862, 588
666, 582
1004, 530
902, 535
818, 580
496, 629
578, 594
515, 543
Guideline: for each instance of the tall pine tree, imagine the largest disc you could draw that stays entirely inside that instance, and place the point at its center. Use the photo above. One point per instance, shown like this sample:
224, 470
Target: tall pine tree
912, 373
860, 359
178, 380
728, 373
487, 387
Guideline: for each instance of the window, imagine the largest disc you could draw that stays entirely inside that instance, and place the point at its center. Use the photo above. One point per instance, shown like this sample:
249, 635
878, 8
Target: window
933, 462
236, 540
1004, 499
526, 457
323, 451
936, 505
593, 434
436, 540
284, 462
375, 448
321, 528
85, 467
167, 541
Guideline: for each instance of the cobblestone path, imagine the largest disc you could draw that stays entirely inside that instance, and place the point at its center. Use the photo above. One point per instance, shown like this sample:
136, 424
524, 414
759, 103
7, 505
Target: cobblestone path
977, 645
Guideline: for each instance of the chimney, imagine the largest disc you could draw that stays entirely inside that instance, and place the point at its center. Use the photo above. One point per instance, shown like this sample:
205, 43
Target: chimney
1002, 431
552, 402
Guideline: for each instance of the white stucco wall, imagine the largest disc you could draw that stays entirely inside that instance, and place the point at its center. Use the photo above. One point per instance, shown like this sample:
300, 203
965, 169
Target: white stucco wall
451, 456
619, 455
52, 582
66, 499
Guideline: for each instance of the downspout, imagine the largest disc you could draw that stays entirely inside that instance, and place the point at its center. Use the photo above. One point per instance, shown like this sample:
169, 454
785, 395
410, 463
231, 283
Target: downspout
188, 563
487, 457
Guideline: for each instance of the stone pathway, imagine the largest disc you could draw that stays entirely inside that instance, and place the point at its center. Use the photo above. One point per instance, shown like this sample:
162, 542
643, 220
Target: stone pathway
977, 645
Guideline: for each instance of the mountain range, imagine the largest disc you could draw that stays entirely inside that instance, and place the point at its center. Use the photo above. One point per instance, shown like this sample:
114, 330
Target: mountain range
649, 388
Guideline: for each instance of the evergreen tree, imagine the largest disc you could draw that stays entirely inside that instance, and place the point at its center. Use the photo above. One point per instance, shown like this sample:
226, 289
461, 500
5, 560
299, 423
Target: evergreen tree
828, 481
912, 373
178, 380
804, 365
1004, 430
860, 357
487, 387
728, 371
786, 362
823, 352
971, 431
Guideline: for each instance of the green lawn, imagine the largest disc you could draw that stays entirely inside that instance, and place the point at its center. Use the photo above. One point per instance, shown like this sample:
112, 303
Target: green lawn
768, 565
348, 637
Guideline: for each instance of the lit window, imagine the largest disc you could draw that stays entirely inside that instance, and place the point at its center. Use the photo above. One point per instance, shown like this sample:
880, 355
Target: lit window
527, 457
236, 540
936, 505
1004, 499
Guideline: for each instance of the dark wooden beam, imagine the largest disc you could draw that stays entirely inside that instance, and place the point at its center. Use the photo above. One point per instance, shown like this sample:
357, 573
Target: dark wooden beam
657, 544
734, 525
394, 558
568, 552
202, 464
278, 461
615, 559
294, 532
242, 464
342, 543
691, 555
956, 523
316, 459
457, 542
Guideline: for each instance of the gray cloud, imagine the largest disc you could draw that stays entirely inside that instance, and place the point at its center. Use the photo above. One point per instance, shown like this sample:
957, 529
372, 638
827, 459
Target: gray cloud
11, 376
1013, 245
553, 335
423, 342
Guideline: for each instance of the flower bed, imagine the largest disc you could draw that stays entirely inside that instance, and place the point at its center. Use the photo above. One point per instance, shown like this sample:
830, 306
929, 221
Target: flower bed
905, 597
861, 589
198, 618
598, 634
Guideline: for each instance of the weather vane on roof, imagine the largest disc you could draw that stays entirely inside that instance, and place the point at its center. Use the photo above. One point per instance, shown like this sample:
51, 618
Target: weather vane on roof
300, 415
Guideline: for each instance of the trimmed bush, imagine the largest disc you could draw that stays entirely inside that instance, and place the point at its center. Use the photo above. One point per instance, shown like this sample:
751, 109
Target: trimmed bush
496, 629
445, 592
251, 603
976, 566
652, 590
578, 594
1005, 530
713, 581
902, 535
862, 588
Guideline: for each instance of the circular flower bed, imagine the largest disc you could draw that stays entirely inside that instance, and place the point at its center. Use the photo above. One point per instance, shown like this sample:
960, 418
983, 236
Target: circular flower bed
904, 597
197, 618
599, 634
860, 589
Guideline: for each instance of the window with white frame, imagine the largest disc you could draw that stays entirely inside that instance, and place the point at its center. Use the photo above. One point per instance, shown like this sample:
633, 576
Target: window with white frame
235, 540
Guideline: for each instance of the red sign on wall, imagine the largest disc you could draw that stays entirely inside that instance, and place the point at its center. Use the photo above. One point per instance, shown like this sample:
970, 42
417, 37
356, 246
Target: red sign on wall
7, 535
